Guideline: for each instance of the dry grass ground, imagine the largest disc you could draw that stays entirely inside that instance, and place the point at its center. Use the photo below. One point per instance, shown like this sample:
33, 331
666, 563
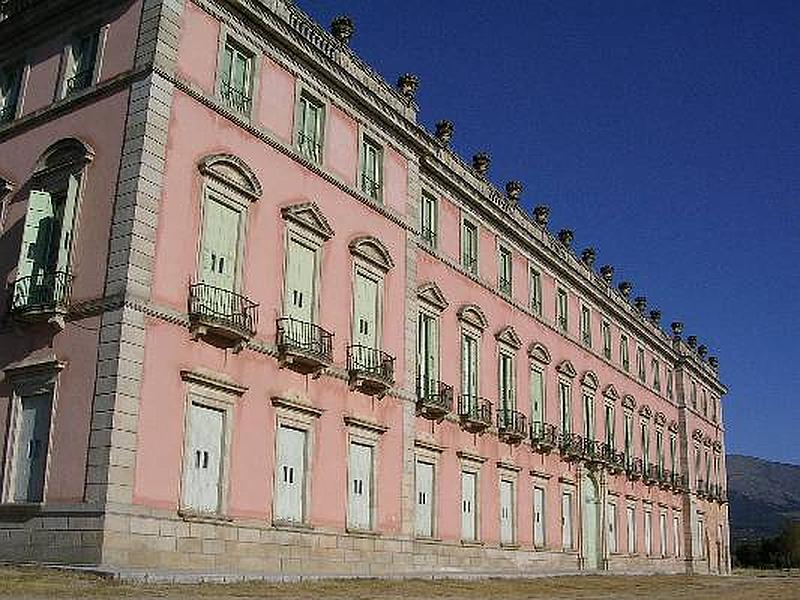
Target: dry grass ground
35, 584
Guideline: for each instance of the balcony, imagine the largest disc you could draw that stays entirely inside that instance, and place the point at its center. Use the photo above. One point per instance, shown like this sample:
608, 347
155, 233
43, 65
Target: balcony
512, 426
665, 479
544, 437
235, 99
634, 468
371, 371
7, 113
428, 236
571, 446
303, 347
434, 399
701, 489
41, 298
370, 186
221, 317
80, 81
651, 474
504, 286
593, 453
309, 147
613, 460
475, 413
680, 483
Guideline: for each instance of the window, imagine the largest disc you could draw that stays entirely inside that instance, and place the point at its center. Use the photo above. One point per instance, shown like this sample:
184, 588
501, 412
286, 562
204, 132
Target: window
427, 354
676, 535
81, 63
670, 385
645, 444
359, 513
586, 326
697, 474
428, 221
222, 222
648, 533
29, 461
628, 434
537, 400
714, 410
566, 521
299, 282
704, 402
673, 457
235, 78
469, 365
624, 357
290, 474
469, 511
588, 416
716, 468
424, 487
662, 531
660, 450
656, 368
311, 127
630, 520
371, 168
504, 268
469, 247
611, 521
565, 404
538, 517
10, 80
507, 520
366, 295
701, 538
694, 395
562, 314
536, 291
505, 380
605, 330
203, 458
640, 367
610, 429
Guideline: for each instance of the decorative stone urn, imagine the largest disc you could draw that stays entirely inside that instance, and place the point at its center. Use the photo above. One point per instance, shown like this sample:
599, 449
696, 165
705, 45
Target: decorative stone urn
408, 84
607, 273
444, 131
677, 329
588, 256
713, 361
514, 190
625, 288
342, 28
481, 162
640, 303
702, 350
692, 341
541, 214
655, 316
565, 236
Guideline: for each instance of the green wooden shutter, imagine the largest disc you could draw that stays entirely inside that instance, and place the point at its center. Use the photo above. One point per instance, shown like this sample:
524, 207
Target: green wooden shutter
225, 68
36, 236
537, 397
220, 244
365, 311
299, 301
241, 73
67, 225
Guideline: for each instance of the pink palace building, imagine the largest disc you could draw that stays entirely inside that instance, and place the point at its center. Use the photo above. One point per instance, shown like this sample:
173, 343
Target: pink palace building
260, 321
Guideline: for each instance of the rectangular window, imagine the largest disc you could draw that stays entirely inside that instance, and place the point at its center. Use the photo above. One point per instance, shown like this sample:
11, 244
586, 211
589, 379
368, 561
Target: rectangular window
538, 518
311, 127
566, 521
235, 78
694, 395
673, 458
660, 450
371, 168
565, 405
704, 402
427, 354
469, 365
424, 487
670, 384
586, 326
469, 247
299, 288
30, 453
697, 474
662, 534
605, 329
504, 271
588, 416
676, 536
611, 521
656, 368
220, 245
10, 81
701, 536
562, 312
610, 426
290, 474
359, 514
537, 400
648, 533
624, 357
202, 468
507, 523
81, 59
469, 512
630, 520
628, 433
505, 380
365, 309
427, 220
645, 440
536, 291
640, 366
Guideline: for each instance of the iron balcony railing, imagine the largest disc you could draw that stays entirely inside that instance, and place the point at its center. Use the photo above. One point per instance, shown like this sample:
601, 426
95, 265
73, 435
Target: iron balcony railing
536, 306
562, 323
664, 478
434, 397
544, 436
512, 425
504, 286
44, 292
7, 113
81, 80
593, 451
370, 186
571, 445
470, 263
428, 236
309, 147
586, 337
634, 468
614, 460
651, 473
701, 488
309, 339
220, 307
235, 99
363, 361
680, 482
475, 412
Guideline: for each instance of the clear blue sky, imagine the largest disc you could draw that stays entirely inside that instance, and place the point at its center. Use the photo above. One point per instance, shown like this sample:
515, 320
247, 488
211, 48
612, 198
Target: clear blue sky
665, 133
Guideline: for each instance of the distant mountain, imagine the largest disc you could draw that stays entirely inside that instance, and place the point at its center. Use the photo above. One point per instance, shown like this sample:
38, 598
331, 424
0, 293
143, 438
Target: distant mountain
762, 495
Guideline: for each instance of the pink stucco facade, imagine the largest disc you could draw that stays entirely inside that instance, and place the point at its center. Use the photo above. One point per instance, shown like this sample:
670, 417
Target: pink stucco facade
129, 354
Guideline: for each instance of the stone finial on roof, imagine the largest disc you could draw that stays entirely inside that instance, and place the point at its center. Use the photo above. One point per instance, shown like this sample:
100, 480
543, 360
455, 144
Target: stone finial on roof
541, 214
625, 288
607, 273
677, 329
565, 236
481, 162
342, 28
444, 131
588, 256
640, 302
655, 316
702, 350
714, 362
692, 341
408, 84
514, 190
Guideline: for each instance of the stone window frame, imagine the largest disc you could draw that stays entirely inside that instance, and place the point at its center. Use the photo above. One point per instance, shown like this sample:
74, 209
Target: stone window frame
624, 352
535, 273
431, 303
585, 337
540, 481
366, 433
304, 90
612, 499
472, 323
509, 473
569, 488
502, 249
507, 344
371, 258
468, 219
663, 533
605, 325
296, 413
429, 453
23, 67
655, 369
432, 243
631, 536
562, 325
677, 532
641, 364
647, 510
216, 392
227, 33
473, 463
27, 379
368, 135
565, 374
538, 361
97, 26
589, 387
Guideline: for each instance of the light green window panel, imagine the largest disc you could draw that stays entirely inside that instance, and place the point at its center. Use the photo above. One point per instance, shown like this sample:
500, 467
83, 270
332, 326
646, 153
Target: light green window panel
469, 365
505, 376
371, 167
220, 247
565, 403
537, 399
427, 352
310, 134
37, 237
32, 445
299, 297
235, 78
365, 310
588, 416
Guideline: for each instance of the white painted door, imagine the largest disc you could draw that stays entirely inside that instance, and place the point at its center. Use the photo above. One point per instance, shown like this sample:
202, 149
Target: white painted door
506, 512
365, 305
611, 525
468, 508
299, 293
662, 534
648, 533
538, 517
360, 493
203, 461
424, 513
32, 444
220, 244
630, 520
566, 521
676, 536
591, 524
290, 474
